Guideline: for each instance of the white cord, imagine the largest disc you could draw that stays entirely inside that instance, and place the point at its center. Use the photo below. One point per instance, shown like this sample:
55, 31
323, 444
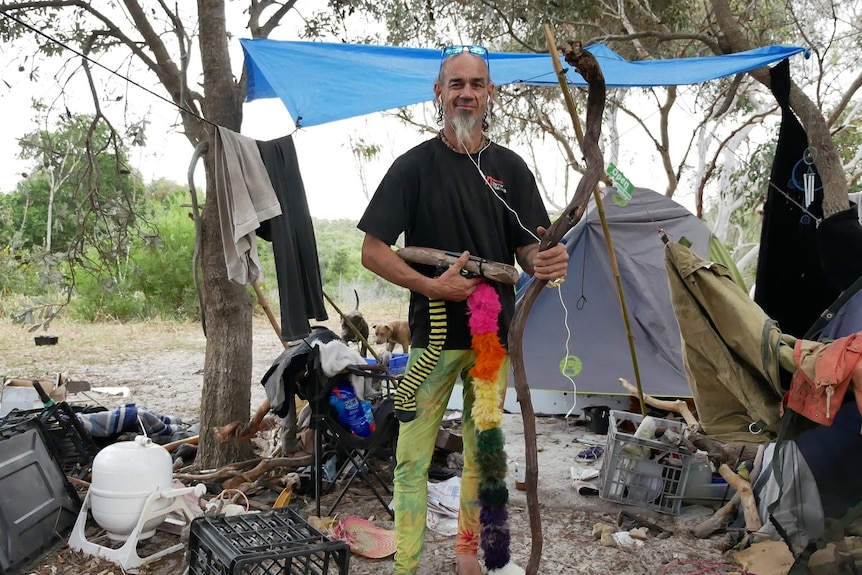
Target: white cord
477, 163
568, 338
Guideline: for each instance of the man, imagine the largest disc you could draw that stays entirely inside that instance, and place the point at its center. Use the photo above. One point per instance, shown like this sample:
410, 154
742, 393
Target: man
457, 192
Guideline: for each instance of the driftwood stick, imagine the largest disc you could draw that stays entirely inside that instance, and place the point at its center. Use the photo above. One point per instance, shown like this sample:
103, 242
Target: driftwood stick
237, 471
239, 430
719, 520
220, 473
718, 452
746, 497
193, 440
264, 467
677, 406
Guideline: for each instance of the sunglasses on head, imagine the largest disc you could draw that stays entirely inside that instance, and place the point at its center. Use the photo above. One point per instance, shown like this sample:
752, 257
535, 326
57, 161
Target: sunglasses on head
472, 49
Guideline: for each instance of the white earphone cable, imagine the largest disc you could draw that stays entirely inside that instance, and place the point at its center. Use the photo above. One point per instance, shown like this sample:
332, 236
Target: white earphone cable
478, 164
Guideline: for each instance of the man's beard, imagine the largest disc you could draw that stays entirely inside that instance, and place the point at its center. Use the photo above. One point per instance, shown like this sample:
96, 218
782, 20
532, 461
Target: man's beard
463, 125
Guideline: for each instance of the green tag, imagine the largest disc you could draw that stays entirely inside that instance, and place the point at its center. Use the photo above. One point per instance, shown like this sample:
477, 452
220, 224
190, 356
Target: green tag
571, 365
622, 183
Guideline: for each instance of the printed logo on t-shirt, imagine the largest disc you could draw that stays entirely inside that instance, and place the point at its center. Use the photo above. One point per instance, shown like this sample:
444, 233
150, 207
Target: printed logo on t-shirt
496, 185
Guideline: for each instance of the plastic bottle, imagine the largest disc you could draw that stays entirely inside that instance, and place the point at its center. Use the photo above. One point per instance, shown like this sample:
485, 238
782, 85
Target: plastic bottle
369, 415
352, 416
646, 430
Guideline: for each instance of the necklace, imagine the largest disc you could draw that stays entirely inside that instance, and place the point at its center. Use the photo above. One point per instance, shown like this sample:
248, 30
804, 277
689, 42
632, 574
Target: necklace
484, 143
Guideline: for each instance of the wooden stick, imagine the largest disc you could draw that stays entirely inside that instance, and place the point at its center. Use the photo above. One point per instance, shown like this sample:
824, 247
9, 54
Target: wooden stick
220, 473
354, 329
267, 465
193, 440
261, 299
239, 430
235, 470
677, 406
746, 497
567, 219
719, 520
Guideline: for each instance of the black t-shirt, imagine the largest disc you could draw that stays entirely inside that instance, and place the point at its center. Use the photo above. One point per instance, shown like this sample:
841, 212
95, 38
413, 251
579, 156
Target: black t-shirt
440, 199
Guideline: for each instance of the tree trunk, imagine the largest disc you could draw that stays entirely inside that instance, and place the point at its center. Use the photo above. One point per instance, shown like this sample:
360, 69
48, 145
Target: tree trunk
226, 393
827, 160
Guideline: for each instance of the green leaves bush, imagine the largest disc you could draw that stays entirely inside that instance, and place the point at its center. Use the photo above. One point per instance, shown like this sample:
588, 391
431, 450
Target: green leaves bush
155, 280
153, 277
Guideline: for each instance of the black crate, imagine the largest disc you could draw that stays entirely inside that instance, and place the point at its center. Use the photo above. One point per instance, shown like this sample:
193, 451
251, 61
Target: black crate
67, 439
277, 542
38, 506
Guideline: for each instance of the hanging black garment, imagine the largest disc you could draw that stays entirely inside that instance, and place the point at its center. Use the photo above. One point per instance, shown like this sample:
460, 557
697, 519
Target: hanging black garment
791, 286
297, 267
839, 238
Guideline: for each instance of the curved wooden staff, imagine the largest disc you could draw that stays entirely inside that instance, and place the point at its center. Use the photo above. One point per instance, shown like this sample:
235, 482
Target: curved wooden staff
585, 64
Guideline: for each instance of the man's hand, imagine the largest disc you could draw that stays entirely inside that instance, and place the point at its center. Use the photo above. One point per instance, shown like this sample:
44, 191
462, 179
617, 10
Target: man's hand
452, 286
550, 264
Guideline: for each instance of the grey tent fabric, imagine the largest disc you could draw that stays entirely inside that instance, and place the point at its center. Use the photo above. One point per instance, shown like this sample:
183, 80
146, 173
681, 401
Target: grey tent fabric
598, 341
732, 350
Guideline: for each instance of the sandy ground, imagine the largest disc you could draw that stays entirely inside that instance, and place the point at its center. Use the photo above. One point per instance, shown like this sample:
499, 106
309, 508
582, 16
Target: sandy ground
161, 364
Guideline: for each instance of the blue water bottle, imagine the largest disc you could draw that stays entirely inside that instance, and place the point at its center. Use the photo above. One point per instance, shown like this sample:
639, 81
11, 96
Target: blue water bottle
369, 415
354, 416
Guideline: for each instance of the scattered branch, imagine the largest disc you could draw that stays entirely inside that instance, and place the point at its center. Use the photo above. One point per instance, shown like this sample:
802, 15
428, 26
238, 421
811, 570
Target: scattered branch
676, 406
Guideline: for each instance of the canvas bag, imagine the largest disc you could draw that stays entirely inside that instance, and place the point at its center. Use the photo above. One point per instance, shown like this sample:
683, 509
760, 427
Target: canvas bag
731, 350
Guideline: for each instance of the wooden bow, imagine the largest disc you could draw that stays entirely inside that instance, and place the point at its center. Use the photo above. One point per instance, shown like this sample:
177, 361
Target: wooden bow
585, 64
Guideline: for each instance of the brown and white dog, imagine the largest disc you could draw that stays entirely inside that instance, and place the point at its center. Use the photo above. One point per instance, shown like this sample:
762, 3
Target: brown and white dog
355, 317
392, 333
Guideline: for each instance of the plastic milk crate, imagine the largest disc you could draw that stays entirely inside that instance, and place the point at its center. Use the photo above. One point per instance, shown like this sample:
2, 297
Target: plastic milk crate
276, 542
65, 436
397, 363
644, 472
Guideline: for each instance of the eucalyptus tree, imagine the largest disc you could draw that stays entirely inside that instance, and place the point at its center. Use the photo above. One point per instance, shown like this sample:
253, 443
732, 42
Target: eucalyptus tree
180, 53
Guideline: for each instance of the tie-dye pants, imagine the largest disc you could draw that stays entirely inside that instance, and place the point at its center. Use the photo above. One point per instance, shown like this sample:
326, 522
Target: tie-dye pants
416, 440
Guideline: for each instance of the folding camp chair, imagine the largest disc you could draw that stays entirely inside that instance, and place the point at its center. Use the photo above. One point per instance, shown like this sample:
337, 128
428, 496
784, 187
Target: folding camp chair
332, 439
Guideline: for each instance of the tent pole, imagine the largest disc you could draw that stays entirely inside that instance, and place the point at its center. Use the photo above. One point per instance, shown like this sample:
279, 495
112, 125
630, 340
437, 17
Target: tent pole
354, 329
261, 300
570, 104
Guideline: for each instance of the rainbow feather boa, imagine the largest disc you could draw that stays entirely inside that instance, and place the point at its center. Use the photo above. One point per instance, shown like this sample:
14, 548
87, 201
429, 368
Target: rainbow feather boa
484, 308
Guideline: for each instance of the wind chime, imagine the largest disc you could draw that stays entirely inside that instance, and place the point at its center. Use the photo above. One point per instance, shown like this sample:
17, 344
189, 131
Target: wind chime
809, 178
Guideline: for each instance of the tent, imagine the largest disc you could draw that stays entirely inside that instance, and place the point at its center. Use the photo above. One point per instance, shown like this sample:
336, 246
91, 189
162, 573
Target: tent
598, 349
323, 82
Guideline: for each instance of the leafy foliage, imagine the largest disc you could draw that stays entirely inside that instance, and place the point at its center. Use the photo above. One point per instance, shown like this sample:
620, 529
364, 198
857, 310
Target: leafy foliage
154, 278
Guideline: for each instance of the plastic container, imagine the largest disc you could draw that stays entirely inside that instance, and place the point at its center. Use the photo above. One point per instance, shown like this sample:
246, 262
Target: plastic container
350, 411
125, 474
368, 411
397, 363
597, 418
702, 487
37, 504
643, 471
276, 542
67, 439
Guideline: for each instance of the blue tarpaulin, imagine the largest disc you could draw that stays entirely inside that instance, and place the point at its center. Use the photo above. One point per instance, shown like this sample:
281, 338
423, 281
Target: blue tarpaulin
323, 82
